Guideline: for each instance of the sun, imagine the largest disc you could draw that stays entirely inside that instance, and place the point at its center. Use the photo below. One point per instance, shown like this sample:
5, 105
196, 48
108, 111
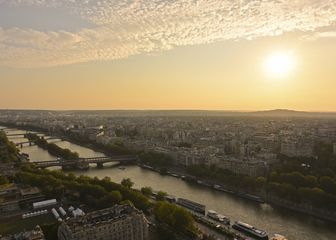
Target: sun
279, 64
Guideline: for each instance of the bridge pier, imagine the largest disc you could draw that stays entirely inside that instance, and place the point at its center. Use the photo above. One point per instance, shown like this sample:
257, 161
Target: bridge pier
67, 167
100, 165
82, 166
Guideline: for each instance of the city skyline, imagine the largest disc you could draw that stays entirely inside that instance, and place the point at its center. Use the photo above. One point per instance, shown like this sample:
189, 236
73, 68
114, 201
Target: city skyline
157, 55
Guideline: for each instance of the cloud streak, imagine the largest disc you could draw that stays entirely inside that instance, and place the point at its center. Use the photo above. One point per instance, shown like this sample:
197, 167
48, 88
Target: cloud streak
124, 28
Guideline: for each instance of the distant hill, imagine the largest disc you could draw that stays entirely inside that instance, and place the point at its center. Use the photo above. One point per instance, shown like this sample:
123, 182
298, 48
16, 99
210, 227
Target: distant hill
291, 113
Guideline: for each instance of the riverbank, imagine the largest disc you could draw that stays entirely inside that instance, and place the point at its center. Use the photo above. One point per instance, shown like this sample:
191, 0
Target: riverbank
255, 197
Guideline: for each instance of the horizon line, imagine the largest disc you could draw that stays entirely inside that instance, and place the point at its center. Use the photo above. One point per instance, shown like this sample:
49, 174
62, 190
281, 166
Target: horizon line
169, 110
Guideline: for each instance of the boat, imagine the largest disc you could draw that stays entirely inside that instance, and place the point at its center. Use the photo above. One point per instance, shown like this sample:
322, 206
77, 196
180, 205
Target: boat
171, 199
220, 188
174, 175
251, 197
147, 167
250, 230
190, 179
218, 217
204, 183
197, 207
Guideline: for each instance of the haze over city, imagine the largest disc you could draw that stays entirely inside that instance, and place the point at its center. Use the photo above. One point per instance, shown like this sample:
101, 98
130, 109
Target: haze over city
220, 55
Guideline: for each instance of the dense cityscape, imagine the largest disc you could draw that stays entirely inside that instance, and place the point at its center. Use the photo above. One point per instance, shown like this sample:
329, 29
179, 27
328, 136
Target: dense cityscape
167, 120
282, 159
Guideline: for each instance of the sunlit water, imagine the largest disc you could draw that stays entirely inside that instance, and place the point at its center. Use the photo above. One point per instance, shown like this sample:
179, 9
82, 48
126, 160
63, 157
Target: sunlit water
293, 225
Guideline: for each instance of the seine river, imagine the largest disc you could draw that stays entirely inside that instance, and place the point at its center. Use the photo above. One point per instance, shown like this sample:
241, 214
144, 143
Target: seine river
293, 225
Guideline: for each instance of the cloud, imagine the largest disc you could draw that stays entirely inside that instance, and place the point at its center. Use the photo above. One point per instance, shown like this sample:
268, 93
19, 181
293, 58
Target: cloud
124, 27
312, 36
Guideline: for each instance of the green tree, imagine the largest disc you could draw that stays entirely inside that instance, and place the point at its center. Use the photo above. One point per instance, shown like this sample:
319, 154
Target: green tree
147, 191
3, 180
175, 216
161, 196
110, 199
328, 184
261, 182
127, 182
183, 220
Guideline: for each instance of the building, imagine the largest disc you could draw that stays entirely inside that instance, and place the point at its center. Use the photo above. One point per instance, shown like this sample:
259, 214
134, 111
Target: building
121, 222
35, 234
251, 167
297, 149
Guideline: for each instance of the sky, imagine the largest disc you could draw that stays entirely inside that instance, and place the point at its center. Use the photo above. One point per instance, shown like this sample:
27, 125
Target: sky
168, 54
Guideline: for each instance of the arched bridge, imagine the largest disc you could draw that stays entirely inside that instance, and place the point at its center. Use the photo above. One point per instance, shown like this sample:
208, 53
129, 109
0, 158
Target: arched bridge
83, 163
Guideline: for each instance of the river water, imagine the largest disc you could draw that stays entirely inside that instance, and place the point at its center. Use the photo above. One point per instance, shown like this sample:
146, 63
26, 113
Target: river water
293, 225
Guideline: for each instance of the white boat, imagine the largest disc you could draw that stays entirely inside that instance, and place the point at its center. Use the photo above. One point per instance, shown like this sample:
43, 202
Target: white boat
212, 214
218, 217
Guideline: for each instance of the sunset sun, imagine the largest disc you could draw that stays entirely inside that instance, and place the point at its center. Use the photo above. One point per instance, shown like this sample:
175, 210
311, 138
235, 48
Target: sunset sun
279, 64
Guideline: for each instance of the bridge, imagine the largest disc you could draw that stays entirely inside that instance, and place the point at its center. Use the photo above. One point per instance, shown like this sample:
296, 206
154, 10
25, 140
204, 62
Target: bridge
15, 134
21, 134
83, 163
8, 129
31, 143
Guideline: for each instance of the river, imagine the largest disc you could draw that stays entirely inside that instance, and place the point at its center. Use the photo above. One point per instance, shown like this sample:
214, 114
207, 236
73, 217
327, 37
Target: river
294, 226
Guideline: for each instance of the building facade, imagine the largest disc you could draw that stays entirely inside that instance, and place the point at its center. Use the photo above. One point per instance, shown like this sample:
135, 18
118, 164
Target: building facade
121, 222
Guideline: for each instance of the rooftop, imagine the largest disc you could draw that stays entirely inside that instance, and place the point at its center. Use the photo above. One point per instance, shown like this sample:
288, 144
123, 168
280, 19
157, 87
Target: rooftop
102, 216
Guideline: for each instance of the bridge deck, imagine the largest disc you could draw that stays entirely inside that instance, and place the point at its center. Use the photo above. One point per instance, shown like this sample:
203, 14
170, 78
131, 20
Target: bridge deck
101, 160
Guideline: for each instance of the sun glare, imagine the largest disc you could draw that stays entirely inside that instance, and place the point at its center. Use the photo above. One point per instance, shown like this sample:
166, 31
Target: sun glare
279, 64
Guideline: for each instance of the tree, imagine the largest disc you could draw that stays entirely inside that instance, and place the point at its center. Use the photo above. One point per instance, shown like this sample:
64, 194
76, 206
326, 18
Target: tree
261, 182
110, 199
115, 197
127, 182
3, 180
328, 184
147, 191
127, 202
175, 216
164, 212
311, 181
161, 196
183, 220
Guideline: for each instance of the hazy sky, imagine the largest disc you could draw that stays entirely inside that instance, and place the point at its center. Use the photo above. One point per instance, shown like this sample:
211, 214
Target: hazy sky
168, 54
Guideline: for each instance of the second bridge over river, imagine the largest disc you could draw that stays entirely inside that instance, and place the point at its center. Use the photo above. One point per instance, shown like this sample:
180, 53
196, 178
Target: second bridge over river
83, 163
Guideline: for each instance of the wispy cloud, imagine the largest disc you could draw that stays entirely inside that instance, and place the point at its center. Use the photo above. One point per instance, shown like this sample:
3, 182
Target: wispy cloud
124, 28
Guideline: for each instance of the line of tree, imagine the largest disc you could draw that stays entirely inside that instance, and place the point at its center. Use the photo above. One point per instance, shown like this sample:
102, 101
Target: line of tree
95, 193
8, 150
318, 191
52, 148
